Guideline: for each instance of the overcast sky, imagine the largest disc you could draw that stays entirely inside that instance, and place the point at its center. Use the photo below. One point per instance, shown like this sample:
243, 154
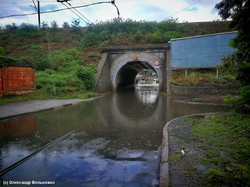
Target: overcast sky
149, 10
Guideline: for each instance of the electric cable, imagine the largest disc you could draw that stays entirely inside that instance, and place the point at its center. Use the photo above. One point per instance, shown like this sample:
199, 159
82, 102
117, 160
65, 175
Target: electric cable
62, 9
79, 13
183, 9
75, 13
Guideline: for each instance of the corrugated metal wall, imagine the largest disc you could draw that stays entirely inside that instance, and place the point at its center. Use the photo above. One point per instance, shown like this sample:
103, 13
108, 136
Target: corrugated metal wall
16, 80
201, 51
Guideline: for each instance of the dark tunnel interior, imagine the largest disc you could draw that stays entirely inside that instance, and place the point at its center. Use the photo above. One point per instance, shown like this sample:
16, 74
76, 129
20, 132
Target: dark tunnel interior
127, 74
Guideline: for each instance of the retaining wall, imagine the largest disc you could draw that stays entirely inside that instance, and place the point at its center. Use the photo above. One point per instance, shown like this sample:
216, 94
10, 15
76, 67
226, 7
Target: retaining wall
199, 90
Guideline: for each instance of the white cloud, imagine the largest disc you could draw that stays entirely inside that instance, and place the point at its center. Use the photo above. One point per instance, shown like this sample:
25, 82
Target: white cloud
150, 10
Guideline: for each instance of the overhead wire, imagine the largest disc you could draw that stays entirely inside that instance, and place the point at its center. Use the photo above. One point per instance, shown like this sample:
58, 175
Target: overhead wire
183, 9
75, 13
81, 15
62, 9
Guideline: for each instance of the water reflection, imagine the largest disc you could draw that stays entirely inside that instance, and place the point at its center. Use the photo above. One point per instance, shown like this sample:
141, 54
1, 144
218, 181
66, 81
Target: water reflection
116, 140
147, 94
18, 127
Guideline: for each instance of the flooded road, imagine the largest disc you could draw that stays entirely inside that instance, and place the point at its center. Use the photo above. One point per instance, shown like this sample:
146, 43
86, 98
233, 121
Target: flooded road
115, 140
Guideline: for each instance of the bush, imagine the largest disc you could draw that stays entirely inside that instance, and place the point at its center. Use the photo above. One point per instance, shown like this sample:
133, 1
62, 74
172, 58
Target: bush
57, 83
1, 51
65, 60
27, 31
7, 61
215, 175
138, 35
39, 58
242, 104
67, 75
54, 26
162, 37
65, 25
229, 65
87, 75
11, 28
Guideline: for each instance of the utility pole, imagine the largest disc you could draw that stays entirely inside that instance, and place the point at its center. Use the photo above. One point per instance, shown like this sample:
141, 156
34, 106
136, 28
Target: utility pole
38, 11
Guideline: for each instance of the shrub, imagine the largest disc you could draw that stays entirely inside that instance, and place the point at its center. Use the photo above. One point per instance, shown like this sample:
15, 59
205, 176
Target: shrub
229, 64
138, 35
11, 28
27, 31
65, 25
87, 75
39, 57
57, 82
54, 26
1, 51
242, 104
215, 175
7, 61
65, 60
162, 37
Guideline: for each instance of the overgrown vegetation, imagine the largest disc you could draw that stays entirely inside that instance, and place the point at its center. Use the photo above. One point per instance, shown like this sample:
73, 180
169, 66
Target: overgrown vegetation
239, 11
223, 140
65, 58
204, 77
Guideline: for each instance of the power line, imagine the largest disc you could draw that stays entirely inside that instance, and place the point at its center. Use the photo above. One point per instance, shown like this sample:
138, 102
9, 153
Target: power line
50, 11
183, 9
62, 9
79, 13
75, 13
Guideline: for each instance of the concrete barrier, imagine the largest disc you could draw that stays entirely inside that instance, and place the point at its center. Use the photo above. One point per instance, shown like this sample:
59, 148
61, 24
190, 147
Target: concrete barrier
203, 90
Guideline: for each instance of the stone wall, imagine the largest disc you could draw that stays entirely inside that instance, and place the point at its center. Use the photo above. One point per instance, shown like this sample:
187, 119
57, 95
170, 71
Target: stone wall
203, 90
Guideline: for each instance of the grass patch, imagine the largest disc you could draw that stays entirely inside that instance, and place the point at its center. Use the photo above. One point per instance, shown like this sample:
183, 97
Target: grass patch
175, 158
202, 77
225, 141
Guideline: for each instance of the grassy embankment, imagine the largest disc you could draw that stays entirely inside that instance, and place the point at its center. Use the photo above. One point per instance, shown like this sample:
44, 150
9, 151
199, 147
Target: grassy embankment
65, 58
224, 142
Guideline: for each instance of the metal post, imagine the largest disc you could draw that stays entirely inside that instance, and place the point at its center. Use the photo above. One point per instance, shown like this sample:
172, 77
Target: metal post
186, 73
217, 72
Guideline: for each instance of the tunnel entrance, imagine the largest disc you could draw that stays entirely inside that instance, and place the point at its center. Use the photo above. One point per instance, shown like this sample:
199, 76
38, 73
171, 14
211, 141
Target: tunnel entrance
119, 67
124, 70
134, 72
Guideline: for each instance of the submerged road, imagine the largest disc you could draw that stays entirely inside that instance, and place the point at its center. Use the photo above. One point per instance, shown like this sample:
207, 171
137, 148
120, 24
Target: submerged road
116, 140
27, 107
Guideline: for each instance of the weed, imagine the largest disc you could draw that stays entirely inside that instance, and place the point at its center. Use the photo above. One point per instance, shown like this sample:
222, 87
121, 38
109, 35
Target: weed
224, 139
175, 158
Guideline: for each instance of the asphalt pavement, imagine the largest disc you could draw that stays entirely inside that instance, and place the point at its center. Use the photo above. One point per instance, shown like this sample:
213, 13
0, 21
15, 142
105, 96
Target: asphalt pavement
26, 107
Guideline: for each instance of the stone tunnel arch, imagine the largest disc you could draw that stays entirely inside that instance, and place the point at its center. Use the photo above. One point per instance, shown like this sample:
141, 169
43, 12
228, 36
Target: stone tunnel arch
120, 65
126, 67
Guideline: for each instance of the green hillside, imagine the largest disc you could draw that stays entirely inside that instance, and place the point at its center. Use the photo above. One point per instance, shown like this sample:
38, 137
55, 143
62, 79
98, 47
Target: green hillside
65, 57
29, 43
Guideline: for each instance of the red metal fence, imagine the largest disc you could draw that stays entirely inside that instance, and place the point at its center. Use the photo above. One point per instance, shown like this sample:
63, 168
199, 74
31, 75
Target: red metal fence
16, 80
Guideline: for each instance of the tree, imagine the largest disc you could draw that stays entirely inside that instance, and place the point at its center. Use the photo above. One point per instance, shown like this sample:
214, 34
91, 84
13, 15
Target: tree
65, 25
54, 25
238, 11
75, 25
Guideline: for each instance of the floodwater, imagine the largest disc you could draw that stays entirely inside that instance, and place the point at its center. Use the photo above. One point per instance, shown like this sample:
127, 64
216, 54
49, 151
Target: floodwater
114, 140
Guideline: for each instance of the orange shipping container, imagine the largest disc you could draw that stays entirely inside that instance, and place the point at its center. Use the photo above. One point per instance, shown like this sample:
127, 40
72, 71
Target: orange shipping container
17, 80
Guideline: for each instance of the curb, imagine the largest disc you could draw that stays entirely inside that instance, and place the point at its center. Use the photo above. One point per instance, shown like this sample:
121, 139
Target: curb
164, 164
59, 106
